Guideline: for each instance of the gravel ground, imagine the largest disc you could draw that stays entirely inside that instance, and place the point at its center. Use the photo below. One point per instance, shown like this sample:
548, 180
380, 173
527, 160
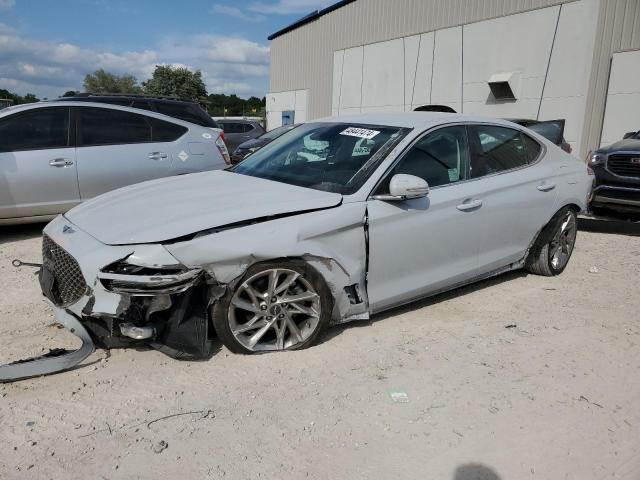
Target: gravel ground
519, 377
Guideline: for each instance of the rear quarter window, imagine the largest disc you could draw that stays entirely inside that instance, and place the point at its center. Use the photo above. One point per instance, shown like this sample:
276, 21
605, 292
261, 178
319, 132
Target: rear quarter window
162, 131
500, 149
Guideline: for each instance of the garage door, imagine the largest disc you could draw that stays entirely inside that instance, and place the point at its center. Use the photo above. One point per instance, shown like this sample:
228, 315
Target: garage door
622, 113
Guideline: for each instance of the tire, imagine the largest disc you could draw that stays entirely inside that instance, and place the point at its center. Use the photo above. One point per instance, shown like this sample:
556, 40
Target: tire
257, 316
552, 250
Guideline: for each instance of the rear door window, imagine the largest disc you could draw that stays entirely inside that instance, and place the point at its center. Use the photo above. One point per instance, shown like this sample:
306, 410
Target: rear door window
103, 126
498, 149
35, 129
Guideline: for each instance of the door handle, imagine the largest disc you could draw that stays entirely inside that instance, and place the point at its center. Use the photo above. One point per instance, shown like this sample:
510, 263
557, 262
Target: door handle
60, 162
157, 155
464, 206
546, 187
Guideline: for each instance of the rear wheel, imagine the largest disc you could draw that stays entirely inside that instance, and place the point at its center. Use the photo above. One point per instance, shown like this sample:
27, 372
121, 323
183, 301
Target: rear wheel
550, 254
276, 306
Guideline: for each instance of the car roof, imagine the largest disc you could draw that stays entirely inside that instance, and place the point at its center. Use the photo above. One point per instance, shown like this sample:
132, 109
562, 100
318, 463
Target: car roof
68, 103
87, 98
417, 120
236, 120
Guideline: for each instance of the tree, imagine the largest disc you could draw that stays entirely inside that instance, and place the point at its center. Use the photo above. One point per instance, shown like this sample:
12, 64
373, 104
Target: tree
176, 82
219, 105
101, 81
17, 99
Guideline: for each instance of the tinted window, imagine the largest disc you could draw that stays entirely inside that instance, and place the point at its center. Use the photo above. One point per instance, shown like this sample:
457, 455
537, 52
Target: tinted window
499, 148
439, 158
162, 131
102, 126
35, 129
183, 111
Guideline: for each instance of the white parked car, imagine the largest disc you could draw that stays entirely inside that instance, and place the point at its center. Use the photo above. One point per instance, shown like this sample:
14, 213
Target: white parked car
266, 256
54, 155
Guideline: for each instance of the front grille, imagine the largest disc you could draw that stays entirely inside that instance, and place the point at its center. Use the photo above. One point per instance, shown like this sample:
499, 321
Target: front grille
625, 165
69, 285
633, 195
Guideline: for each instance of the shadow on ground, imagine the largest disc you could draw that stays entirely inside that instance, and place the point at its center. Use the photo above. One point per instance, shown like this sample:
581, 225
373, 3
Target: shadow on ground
13, 233
475, 471
426, 302
609, 225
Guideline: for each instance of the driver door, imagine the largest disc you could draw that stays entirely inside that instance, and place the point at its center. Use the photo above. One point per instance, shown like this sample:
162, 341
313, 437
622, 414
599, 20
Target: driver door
420, 246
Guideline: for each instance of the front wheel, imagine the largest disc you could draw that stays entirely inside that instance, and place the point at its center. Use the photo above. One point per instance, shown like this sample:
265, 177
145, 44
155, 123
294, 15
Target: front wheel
550, 254
275, 306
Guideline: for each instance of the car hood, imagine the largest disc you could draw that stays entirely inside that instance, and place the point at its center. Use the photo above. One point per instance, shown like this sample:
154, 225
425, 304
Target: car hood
253, 143
628, 144
173, 207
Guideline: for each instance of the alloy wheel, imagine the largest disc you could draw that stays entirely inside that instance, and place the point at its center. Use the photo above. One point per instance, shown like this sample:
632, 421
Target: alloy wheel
275, 309
563, 241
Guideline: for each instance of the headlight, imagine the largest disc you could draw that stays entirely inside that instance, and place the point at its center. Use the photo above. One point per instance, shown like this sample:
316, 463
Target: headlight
123, 277
596, 159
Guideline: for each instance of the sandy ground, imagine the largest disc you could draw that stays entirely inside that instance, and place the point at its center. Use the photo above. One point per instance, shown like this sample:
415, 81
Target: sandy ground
557, 396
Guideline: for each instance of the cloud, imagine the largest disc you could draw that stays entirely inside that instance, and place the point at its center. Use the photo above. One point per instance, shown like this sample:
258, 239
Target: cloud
49, 68
287, 7
236, 12
7, 4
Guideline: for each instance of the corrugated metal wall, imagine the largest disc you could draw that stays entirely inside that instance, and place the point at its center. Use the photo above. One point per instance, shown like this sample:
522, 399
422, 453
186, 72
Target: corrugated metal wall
303, 58
618, 30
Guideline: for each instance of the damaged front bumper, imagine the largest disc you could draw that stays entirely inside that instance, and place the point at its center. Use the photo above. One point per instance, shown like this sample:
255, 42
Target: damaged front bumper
127, 295
55, 361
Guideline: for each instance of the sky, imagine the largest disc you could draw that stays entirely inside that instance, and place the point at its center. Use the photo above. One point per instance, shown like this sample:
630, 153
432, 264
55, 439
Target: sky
47, 47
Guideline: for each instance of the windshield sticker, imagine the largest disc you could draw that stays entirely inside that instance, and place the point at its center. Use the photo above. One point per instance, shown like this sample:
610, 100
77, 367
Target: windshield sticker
360, 132
363, 147
454, 176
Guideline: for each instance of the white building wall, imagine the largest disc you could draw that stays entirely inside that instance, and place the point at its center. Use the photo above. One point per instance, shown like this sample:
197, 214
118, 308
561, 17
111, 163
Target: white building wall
622, 112
446, 87
517, 43
294, 100
548, 51
567, 84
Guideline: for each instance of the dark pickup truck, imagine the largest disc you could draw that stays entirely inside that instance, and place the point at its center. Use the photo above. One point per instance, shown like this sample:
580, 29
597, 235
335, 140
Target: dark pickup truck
617, 177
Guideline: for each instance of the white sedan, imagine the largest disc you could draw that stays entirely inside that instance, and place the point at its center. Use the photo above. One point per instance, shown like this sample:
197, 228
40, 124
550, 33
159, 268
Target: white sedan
336, 220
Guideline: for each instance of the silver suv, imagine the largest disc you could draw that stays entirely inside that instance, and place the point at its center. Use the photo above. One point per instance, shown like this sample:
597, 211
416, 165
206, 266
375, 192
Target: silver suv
54, 155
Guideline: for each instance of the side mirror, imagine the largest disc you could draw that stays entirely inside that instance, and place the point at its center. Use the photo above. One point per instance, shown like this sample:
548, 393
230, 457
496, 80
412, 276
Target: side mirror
629, 135
405, 187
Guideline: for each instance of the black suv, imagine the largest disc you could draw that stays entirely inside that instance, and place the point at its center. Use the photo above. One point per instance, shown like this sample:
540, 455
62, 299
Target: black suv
617, 171
180, 109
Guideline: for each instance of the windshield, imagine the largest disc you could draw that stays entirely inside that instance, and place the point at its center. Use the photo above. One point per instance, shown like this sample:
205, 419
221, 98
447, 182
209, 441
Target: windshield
334, 157
276, 132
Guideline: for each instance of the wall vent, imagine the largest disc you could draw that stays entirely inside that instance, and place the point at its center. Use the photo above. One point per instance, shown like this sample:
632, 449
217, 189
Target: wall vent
505, 85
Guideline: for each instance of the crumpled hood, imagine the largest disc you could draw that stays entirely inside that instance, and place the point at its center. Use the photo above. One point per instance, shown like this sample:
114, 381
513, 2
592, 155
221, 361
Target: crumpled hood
172, 207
